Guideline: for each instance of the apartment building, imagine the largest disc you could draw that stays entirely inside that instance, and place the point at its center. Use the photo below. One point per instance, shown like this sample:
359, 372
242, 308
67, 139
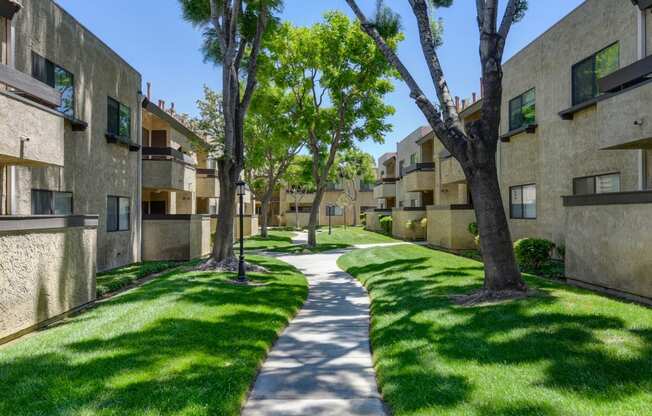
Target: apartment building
342, 204
69, 162
575, 158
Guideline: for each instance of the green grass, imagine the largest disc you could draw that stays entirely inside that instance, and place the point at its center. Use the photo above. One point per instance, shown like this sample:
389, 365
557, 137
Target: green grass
281, 241
116, 279
565, 351
185, 344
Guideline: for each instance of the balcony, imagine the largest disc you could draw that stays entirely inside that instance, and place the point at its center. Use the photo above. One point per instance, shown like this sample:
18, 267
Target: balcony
385, 188
176, 237
300, 198
448, 227
208, 185
34, 134
168, 169
420, 177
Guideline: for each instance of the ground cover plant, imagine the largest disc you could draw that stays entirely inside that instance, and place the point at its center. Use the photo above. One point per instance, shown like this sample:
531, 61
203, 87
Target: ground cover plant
121, 277
188, 343
563, 351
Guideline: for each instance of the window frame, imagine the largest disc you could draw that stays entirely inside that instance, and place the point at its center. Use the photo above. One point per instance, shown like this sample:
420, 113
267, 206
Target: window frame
521, 107
595, 183
523, 217
592, 58
52, 201
51, 80
118, 225
119, 106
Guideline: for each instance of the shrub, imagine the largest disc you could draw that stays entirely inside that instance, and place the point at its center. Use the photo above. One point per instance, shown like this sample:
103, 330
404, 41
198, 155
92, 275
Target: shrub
532, 253
386, 224
363, 220
473, 229
410, 224
424, 222
561, 251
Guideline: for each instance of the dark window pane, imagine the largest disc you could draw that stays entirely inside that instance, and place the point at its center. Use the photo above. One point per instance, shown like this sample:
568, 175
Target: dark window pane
62, 203
516, 209
41, 202
157, 207
584, 186
112, 214
584, 81
64, 83
125, 122
42, 69
607, 61
113, 117
528, 109
515, 113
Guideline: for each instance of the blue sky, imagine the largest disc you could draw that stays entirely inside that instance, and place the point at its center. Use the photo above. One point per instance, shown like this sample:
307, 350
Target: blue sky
151, 36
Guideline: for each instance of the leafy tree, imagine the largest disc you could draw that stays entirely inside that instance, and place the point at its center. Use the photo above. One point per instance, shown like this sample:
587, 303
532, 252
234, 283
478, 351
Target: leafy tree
272, 140
299, 181
338, 79
355, 168
233, 34
475, 150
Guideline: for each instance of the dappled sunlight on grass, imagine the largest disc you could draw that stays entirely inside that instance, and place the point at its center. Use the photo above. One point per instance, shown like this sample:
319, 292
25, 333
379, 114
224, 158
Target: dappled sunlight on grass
562, 351
187, 343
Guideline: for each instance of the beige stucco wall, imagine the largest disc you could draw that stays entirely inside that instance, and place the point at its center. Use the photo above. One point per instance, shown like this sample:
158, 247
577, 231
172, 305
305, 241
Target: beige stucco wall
624, 121
169, 175
51, 272
609, 246
94, 169
207, 187
373, 220
172, 239
31, 135
404, 149
449, 228
250, 226
561, 150
399, 227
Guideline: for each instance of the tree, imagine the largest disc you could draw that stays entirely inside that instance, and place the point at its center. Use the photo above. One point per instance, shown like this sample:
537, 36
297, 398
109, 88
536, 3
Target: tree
233, 33
299, 181
338, 79
475, 150
272, 140
355, 168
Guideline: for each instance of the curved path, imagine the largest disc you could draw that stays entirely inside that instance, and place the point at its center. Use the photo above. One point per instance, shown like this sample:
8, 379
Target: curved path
321, 364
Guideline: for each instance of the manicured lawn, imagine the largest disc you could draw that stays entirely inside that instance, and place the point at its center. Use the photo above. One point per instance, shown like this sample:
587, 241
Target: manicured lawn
185, 344
564, 352
281, 241
115, 279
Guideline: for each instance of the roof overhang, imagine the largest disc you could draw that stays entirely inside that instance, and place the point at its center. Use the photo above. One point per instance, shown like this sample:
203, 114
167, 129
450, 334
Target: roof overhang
643, 4
8, 8
168, 118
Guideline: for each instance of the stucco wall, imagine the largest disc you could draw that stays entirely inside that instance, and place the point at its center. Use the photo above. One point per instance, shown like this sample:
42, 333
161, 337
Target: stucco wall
42, 128
449, 228
610, 246
404, 149
176, 239
399, 227
169, 175
55, 274
561, 150
373, 220
623, 122
94, 169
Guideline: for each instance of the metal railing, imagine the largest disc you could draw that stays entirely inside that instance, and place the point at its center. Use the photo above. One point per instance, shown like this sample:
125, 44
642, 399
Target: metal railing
168, 152
420, 167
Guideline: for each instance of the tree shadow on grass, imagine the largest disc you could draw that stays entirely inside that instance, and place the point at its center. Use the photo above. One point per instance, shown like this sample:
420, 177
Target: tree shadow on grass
417, 332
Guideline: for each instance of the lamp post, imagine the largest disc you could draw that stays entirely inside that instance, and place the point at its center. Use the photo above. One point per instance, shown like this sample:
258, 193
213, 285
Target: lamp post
330, 214
242, 277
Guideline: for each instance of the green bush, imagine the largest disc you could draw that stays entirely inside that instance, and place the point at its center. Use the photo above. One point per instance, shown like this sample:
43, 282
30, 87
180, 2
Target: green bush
532, 253
424, 223
386, 224
473, 229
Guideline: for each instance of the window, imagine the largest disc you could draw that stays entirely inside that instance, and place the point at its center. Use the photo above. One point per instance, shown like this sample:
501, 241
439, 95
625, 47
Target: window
57, 78
523, 202
118, 119
51, 202
401, 166
118, 210
522, 110
587, 72
413, 159
599, 184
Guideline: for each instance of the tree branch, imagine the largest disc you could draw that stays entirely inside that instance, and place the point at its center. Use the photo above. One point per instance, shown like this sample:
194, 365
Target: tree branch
479, 5
253, 60
508, 20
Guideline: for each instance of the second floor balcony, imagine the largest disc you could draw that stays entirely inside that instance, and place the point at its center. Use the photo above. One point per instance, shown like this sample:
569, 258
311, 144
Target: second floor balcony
33, 135
385, 188
420, 177
451, 170
208, 185
168, 169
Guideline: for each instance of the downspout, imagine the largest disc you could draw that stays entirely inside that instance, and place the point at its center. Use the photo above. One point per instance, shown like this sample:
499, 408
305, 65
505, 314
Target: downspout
139, 172
642, 53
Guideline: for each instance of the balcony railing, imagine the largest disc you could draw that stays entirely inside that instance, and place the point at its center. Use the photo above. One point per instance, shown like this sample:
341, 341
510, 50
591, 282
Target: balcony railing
639, 71
29, 87
385, 181
211, 173
420, 167
167, 152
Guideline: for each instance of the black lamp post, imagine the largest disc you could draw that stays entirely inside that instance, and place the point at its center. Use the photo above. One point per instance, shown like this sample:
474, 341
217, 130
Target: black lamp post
330, 215
242, 277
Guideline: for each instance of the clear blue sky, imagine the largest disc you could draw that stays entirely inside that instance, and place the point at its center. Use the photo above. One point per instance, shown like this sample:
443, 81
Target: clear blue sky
151, 35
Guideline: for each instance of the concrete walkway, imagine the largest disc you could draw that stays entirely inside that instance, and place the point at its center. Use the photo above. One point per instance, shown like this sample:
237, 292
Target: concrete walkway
321, 364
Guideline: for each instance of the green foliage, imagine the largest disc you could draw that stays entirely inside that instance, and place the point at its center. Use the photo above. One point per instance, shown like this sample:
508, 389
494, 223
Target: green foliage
116, 279
423, 223
298, 176
386, 224
561, 251
532, 253
473, 229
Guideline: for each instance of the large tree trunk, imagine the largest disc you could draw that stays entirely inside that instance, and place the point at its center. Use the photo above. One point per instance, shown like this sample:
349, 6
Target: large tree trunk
223, 240
501, 270
314, 217
264, 213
